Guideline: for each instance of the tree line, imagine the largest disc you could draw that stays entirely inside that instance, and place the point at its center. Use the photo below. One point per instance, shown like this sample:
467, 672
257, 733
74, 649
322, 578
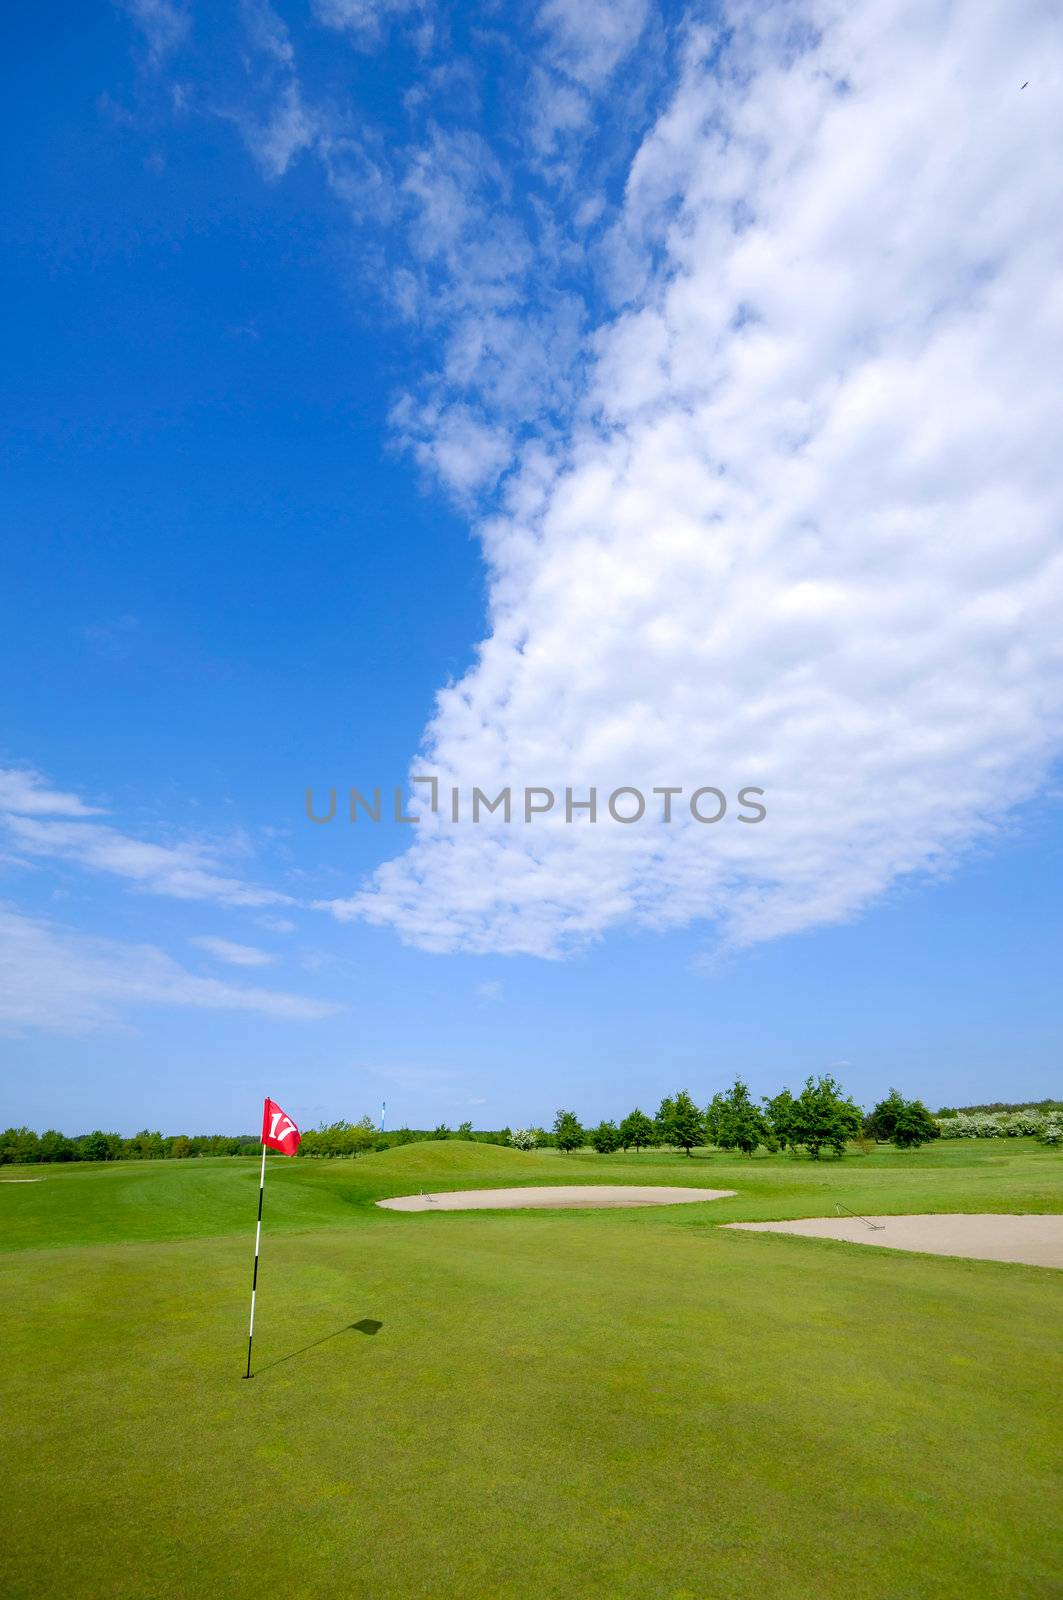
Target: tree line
23, 1146
821, 1117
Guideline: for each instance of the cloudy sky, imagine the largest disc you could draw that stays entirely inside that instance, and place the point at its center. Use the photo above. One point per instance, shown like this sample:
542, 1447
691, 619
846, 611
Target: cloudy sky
538, 398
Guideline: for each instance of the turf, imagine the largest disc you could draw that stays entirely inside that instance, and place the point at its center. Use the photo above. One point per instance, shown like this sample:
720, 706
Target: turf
596, 1404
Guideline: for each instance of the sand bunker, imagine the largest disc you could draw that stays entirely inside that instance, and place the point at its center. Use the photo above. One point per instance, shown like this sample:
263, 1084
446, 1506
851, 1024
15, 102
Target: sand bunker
567, 1195
1035, 1240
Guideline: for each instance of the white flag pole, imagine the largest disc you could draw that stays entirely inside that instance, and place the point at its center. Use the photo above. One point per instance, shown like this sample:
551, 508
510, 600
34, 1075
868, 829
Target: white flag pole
254, 1280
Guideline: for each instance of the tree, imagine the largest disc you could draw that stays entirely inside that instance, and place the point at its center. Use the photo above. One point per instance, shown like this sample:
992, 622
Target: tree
464, 1130
738, 1123
606, 1138
19, 1145
95, 1146
680, 1122
713, 1113
568, 1131
636, 1130
55, 1146
906, 1123
523, 1139
823, 1117
779, 1112
442, 1132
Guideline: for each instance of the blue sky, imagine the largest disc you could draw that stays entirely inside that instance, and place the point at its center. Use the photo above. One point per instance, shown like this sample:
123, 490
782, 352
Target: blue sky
528, 396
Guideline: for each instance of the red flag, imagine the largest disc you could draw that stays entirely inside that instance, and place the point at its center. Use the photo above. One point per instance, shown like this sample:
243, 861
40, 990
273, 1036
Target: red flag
278, 1130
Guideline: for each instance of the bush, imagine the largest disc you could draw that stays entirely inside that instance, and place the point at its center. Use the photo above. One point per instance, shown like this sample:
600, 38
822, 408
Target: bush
523, 1139
996, 1124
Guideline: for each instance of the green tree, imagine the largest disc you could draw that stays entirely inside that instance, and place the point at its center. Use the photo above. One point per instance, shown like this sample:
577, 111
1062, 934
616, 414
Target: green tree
442, 1132
711, 1119
464, 1131
55, 1146
636, 1130
19, 1145
906, 1123
605, 1138
680, 1122
568, 1131
94, 1146
823, 1117
779, 1111
738, 1123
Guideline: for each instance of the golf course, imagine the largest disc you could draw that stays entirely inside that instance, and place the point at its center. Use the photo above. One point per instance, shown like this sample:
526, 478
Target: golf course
616, 1402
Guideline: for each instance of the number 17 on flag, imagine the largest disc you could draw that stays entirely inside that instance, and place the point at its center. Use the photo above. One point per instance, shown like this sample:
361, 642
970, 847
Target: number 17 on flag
278, 1133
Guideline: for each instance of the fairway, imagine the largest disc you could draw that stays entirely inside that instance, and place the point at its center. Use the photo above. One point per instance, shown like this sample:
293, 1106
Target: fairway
606, 1403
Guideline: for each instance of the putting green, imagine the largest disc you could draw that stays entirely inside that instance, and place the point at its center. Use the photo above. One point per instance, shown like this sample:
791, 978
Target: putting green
619, 1404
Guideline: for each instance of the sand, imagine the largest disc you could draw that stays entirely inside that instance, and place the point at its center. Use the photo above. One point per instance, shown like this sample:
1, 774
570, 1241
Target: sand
1036, 1240
567, 1195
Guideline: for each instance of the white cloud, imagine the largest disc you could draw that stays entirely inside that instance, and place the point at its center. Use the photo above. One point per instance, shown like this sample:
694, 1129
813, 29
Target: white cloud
804, 530
164, 25
588, 41
364, 19
288, 129
491, 990
234, 955
60, 981
267, 31
43, 823
26, 792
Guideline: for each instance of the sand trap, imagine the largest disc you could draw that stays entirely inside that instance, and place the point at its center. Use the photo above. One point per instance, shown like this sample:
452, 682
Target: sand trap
1035, 1240
20, 1180
568, 1195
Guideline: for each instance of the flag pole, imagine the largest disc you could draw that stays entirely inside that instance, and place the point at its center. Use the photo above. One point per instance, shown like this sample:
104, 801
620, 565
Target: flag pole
254, 1279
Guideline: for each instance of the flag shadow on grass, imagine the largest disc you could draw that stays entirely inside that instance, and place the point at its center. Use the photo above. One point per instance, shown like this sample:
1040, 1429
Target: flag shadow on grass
368, 1325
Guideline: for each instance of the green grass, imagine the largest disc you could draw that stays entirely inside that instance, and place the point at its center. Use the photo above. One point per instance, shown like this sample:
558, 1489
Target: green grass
613, 1404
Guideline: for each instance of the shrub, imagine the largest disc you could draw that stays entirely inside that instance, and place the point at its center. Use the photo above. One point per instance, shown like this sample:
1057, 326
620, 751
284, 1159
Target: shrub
996, 1124
523, 1139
